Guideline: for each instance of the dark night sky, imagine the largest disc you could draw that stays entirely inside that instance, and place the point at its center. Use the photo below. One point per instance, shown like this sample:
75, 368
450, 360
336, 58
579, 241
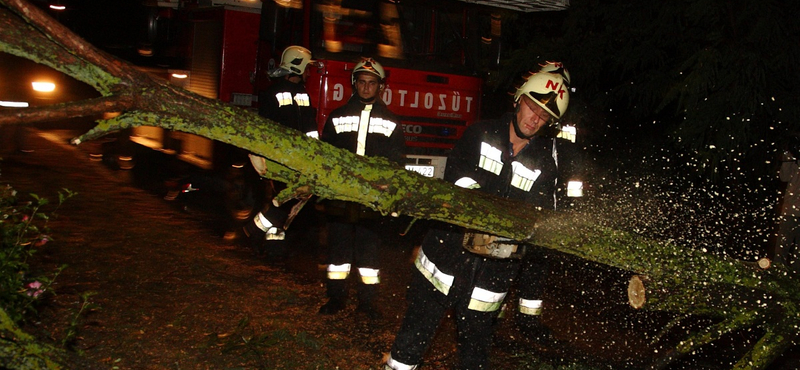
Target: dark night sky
106, 24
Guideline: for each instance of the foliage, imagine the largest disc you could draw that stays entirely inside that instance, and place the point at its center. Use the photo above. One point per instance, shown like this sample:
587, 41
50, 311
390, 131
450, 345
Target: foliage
23, 229
695, 72
71, 332
19, 350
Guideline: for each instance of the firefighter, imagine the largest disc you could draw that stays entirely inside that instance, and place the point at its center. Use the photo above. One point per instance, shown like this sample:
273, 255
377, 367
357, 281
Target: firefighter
286, 102
472, 272
570, 162
365, 126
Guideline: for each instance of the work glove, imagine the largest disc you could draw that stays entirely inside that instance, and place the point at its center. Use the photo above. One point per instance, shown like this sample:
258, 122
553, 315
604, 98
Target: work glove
493, 246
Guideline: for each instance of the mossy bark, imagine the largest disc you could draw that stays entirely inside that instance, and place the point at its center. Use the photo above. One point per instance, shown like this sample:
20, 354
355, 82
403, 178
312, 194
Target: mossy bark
685, 281
19, 350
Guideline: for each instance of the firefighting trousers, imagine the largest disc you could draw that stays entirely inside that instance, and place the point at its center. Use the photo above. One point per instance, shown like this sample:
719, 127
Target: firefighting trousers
426, 307
532, 277
352, 247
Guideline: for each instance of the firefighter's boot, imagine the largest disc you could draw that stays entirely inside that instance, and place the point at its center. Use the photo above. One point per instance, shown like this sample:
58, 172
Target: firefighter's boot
369, 309
333, 306
366, 301
337, 294
532, 327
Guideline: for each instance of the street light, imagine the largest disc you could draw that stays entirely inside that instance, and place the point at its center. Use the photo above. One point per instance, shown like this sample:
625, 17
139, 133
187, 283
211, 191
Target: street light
13, 104
57, 6
43, 86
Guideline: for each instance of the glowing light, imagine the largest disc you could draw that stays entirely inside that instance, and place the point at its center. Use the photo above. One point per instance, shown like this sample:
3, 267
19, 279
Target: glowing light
14, 104
42, 86
57, 7
180, 75
575, 189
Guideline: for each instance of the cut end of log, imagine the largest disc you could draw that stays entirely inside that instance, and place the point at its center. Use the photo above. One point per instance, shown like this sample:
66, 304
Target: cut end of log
764, 263
259, 163
636, 291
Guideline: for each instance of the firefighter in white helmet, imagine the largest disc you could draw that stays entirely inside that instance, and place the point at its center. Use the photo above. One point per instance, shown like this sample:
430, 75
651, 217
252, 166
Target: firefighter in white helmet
364, 126
471, 272
569, 160
286, 102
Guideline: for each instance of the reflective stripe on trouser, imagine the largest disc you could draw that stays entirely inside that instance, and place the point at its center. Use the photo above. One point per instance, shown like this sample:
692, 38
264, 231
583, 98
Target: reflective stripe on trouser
485, 300
397, 365
338, 272
261, 222
352, 245
481, 300
426, 307
531, 307
438, 278
369, 276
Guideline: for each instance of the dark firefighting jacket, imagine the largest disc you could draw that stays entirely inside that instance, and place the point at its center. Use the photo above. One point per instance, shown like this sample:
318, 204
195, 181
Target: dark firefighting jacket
289, 104
383, 136
483, 159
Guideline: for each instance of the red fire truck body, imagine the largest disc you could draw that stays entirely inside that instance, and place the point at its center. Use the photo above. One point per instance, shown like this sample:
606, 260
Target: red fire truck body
227, 59
434, 108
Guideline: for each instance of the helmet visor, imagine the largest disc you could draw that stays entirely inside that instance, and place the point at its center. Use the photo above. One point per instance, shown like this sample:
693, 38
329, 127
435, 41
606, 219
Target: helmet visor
544, 113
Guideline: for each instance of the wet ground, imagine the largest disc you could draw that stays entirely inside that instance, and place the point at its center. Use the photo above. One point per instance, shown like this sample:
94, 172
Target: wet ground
171, 292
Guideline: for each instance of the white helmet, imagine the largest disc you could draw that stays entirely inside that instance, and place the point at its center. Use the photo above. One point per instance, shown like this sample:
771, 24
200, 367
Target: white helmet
293, 61
555, 67
368, 65
549, 88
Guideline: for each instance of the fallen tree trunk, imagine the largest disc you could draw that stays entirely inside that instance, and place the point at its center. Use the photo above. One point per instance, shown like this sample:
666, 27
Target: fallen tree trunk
668, 278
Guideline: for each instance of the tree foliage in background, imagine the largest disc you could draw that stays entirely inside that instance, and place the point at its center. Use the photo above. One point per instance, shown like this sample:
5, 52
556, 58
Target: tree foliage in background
717, 78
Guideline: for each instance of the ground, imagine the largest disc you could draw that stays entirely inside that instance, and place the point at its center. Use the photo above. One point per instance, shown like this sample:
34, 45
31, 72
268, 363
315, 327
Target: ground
169, 292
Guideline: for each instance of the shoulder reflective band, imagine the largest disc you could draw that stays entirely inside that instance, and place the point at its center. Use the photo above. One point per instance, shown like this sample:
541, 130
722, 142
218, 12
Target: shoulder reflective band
363, 128
491, 159
284, 98
439, 279
531, 307
302, 100
345, 124
369, 276
381, 126
485, 300
338, 272
467, 183
568, 132
523, 177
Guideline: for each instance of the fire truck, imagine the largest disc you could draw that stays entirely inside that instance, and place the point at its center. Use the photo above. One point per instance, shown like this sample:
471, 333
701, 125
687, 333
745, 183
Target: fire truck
431, 52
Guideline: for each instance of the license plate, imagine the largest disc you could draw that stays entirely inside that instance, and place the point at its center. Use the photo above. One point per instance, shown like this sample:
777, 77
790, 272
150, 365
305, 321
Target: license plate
426, 171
